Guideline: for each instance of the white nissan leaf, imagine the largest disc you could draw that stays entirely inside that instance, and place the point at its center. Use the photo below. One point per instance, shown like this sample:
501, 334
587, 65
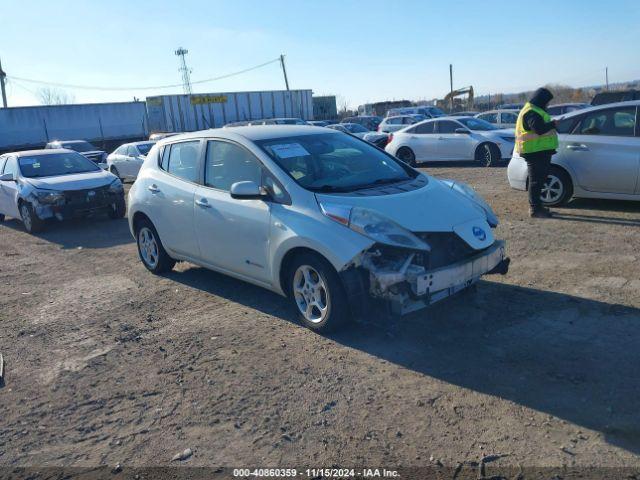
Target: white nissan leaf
326, 219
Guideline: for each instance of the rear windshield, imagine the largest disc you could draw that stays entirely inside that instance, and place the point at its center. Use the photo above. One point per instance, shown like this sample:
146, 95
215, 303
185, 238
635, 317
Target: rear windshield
55, 164
328, 162
477, 124
144, 148
78, 146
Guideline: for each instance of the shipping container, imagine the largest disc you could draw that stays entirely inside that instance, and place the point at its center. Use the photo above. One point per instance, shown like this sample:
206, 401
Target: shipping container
188, 113
32, 127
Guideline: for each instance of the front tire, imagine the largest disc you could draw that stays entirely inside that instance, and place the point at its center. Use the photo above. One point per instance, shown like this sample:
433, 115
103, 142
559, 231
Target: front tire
153, 255
488, 154
32, 223
557, 189
406, 155
118, 209
317, 293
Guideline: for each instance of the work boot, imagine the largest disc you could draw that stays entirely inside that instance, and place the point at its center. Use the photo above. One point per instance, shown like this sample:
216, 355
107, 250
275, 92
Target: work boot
539, 212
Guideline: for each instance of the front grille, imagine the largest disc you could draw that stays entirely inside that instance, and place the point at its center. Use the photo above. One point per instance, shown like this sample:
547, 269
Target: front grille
446, 248
87, 199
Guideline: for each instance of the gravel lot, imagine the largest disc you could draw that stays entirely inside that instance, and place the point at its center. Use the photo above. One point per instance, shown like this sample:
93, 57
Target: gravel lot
108, 364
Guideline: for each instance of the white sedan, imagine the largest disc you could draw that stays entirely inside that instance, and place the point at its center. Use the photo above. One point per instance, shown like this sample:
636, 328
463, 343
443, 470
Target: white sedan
321, 217
598, 156
452, 139
126, 160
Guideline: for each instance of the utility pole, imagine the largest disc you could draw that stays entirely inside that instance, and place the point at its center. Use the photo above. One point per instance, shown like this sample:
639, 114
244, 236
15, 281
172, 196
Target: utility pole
186, 80
606, 76
451, 84
4, 92
284, 71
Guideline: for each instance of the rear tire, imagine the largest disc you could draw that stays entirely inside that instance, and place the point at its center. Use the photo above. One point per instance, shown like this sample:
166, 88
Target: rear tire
153, 255
32, 223
488, 154
406, 155
557, 189
317, 294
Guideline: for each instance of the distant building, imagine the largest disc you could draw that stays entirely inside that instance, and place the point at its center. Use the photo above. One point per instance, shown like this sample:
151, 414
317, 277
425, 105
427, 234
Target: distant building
381, 108
325, 107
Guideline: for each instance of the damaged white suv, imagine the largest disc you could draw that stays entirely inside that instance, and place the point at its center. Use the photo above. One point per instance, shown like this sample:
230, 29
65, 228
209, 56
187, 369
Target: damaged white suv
324, 218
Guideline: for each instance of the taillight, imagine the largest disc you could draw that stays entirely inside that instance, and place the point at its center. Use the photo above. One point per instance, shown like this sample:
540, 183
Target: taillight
389, 138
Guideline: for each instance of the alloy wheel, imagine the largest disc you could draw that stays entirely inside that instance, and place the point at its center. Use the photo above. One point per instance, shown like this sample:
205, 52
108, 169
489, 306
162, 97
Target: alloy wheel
26, 217
552, 189
148, 247
311, 294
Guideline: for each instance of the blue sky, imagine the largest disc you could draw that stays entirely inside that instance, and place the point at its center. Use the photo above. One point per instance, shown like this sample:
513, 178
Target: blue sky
359, 50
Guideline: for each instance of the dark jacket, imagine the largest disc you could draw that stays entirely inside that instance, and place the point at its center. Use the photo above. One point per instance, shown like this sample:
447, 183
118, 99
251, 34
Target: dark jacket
533, 121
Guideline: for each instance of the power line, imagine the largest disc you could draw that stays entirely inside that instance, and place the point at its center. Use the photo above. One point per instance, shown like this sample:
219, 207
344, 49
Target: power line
157, 87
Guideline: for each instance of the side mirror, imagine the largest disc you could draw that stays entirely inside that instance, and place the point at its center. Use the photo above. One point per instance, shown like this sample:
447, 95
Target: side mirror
463, 131
7, 177
247, 191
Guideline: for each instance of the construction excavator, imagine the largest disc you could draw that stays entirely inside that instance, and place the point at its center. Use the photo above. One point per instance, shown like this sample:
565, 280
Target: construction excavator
449, 102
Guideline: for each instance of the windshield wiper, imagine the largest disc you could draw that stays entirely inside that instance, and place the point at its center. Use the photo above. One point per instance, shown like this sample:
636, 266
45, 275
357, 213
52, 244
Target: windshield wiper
328, 189
380, 181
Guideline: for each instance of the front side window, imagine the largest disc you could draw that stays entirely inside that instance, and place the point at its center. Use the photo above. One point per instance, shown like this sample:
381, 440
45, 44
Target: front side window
121, 150
447, 126
554, 111
34, 166
566, 125
181, 160
334, 163
619, 122
131, 151
228, 163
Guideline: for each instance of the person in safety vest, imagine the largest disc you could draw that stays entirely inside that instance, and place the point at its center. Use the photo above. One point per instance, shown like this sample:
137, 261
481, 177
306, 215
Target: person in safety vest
536, 142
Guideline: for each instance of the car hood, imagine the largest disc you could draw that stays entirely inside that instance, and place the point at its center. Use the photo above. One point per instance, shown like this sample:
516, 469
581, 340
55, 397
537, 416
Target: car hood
92, 153
76, 181
432, 208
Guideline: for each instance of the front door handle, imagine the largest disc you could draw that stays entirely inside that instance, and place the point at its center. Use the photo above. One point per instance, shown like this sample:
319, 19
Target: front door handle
578, 147
153, 188
203, 203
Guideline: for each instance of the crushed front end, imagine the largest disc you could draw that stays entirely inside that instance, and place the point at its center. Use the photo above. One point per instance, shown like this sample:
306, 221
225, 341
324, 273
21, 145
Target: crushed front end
410, 280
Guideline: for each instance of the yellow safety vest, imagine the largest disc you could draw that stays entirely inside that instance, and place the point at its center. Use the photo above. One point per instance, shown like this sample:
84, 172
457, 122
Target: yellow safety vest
528, 141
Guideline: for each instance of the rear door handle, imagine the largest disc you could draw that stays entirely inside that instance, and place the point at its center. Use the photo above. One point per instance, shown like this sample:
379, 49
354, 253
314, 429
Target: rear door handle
580, 148
153, 188
203, 203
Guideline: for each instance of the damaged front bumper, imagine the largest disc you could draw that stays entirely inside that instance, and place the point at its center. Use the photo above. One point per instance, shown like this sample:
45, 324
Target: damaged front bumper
408, 286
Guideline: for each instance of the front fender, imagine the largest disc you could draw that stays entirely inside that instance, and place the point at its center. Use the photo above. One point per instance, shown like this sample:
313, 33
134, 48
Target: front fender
336, 243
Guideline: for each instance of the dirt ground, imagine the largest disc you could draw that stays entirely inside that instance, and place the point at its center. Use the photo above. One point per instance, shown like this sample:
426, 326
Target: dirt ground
107, 364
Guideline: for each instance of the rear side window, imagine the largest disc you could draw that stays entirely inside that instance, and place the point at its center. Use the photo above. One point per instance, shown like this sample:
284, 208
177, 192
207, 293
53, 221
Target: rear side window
554, 110
424, 128
394, 121
181, 160
618, 122
2, 161
228, 163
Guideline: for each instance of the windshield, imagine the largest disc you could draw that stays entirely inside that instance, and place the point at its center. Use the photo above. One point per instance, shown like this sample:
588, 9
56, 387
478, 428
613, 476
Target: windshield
477, 124
144, 148
356, 128
55, 164
328, 162
78, 146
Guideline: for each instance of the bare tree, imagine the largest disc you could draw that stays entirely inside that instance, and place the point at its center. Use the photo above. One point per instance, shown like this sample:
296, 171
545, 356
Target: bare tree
54, 96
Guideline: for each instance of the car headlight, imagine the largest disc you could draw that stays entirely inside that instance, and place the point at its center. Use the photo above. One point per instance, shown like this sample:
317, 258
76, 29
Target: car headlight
116, 186
373, 225
49, 197
471, 194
